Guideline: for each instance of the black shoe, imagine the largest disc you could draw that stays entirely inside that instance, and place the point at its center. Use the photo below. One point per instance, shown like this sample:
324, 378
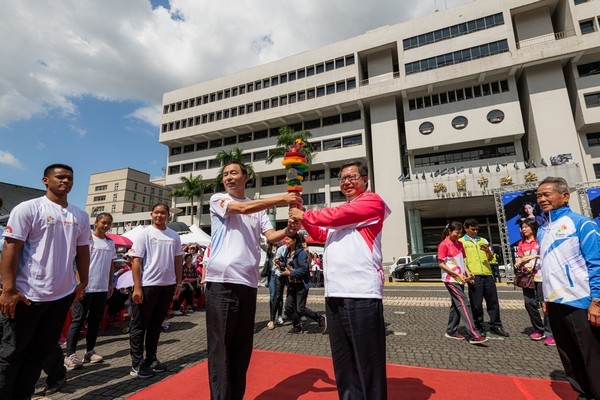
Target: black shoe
499, 332
157, 366
142, 370
296, 329
52, 388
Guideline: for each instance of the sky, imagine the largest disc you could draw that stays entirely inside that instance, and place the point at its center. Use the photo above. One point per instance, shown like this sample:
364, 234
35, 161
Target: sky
81, 81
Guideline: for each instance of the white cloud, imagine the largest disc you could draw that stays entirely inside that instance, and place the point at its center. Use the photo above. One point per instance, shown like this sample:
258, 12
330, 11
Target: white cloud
10, 160
115, 50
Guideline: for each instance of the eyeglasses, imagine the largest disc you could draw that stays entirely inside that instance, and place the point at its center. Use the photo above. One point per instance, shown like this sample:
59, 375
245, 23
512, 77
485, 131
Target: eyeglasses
350, 178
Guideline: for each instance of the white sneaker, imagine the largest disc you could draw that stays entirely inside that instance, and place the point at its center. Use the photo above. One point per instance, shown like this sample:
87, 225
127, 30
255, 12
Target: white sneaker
279, 321
72, 362
92, 357
176, 313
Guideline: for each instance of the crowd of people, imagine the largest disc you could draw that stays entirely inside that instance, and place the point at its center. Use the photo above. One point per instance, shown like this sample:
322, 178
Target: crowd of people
53, 265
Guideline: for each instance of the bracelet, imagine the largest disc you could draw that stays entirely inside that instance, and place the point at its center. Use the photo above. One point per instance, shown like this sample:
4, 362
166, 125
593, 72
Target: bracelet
180, 285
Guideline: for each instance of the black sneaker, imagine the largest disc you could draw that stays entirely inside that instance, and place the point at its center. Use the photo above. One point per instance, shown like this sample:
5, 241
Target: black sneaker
142, 370
296, 329
52, 388
499, 332
157, 366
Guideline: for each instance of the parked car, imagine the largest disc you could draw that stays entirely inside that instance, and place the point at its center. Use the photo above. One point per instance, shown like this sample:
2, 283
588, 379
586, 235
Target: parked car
398, 263
422, 267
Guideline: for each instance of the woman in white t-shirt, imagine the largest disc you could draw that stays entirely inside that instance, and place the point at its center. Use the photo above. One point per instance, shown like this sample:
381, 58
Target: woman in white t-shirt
157, 274
91, 307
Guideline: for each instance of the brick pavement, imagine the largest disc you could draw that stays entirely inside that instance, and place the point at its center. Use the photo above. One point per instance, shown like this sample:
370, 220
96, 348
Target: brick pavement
416, 316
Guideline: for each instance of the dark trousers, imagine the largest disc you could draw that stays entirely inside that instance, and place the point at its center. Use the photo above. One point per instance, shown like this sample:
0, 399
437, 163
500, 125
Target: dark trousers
357, 338
578, 345
27, 340
276, 286
230, 312
188, 291
146, 322
460, 309
484, 287
295, 304
533, 298
90, 309
54, 366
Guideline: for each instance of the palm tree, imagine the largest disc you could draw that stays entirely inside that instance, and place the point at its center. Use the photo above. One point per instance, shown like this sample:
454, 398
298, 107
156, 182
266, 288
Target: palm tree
236, 154
287, 137
193, 187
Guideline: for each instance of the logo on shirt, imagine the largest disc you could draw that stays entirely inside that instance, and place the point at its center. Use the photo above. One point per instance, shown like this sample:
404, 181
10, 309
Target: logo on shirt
222, 203
50, 220
561, 230
153, 240
9, 229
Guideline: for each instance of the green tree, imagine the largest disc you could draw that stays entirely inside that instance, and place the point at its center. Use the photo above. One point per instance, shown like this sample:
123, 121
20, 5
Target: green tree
235, 154
192, 188
287, 137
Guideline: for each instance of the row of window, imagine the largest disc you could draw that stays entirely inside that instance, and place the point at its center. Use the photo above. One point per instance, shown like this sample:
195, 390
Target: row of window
472, 154
265, 133
466, 93
453, 31
101, 188
588, 69
597, 170
461, 122
592, 100
261, 155
306, 94
593, 139
310, 70
443, 60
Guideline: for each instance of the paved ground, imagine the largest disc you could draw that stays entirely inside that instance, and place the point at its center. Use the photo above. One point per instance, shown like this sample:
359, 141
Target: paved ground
416, 316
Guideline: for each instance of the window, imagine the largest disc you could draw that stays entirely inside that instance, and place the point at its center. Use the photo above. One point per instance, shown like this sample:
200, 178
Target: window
199, 165
187, 167
175, 151
334, 172
580, 1
301, 96
292, 97
201, 146
274, 81
460, 122
332, 144
310, 70
229, 140
101, 188
330, 88
174, 169
320, 68
351, 83
587, 26
318, 175
116, 187
310, 93
292, 76
593, 139
216, 143
214, 163
312, 124
597, 170
301, 73
280, 179
329, 66
245, 137
354, 140
335, 119
337, 197
495, 116
260, 155
274, 102
114, 197
188, 148
99, 198
426, 128
340, 86
350, 59
317, 198
316, 146
283, 78
470, 154
321, 91
261, 134
592, 68
592, 100
267, 181
339, 62
246, 158
283, 100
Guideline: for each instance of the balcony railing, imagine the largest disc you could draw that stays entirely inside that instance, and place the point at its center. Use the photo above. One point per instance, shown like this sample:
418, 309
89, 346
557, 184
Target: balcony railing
545, 38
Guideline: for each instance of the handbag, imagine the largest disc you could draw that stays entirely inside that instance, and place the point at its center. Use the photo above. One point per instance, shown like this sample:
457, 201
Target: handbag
524, 279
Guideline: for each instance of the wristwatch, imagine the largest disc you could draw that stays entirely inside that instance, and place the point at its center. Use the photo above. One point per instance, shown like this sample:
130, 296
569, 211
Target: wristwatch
596, 302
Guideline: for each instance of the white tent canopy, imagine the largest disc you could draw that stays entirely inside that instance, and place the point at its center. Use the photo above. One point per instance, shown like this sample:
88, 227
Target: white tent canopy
196, 235
133, 233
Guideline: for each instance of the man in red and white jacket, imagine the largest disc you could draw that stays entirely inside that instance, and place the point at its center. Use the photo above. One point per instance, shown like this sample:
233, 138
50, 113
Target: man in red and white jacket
353, 277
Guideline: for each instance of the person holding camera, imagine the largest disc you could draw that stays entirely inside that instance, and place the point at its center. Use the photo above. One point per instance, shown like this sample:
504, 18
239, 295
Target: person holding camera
294, 266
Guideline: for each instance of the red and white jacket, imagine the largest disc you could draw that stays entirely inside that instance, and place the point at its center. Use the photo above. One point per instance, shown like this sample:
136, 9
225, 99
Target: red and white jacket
352, 259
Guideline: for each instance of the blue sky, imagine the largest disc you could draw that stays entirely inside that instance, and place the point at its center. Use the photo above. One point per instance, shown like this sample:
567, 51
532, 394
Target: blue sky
81, 81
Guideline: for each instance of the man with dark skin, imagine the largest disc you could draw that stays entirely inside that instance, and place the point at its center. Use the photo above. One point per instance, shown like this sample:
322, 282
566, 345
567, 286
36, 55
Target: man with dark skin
44, 237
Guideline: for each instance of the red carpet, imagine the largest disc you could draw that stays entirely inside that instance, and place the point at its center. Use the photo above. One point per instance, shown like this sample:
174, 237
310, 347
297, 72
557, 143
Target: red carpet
287, 376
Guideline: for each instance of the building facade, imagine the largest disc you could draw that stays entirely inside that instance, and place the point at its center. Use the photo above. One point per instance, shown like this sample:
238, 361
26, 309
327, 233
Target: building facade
445, 109
127, 194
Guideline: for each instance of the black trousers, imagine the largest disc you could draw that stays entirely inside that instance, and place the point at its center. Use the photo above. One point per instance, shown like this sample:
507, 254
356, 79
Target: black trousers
484, 287
90, 309
27, 340
533, 298
146, 321
578, 345
230, 312
357, 338
460, 309
295, 304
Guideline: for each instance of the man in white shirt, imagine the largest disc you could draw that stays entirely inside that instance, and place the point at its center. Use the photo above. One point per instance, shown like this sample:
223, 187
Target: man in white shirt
232, 274
44, 238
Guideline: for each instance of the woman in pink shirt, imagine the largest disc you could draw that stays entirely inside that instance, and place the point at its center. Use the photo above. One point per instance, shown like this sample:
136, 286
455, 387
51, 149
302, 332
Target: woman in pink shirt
451, 257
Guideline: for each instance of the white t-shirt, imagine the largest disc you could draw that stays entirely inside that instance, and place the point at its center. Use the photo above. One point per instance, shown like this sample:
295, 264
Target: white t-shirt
158, 250
235, 243
51, 234
102, 254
